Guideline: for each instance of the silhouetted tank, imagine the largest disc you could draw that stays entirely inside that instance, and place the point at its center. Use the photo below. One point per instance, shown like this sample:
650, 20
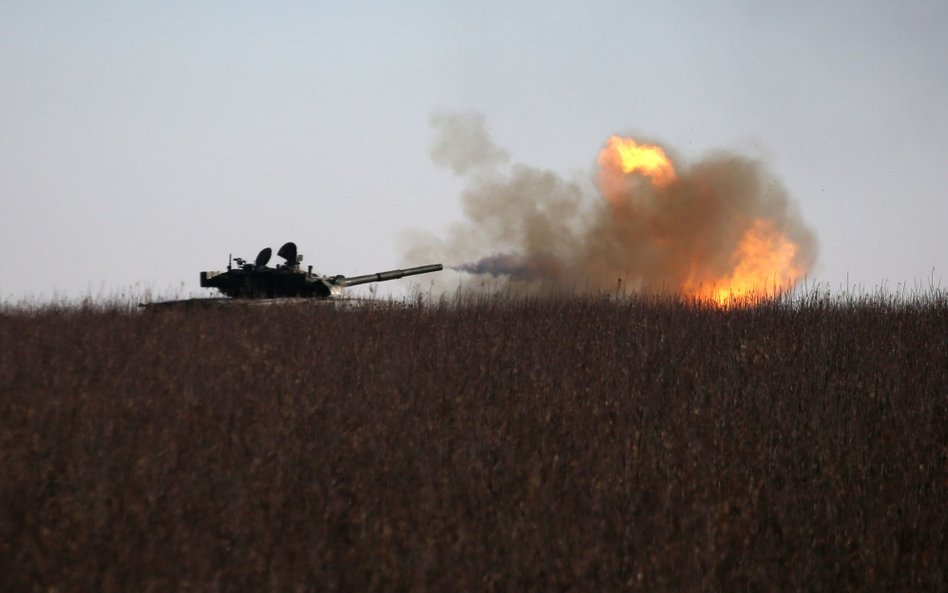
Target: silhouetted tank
255, 280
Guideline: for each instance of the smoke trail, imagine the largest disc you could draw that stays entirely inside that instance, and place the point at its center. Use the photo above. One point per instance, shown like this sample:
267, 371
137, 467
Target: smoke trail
723, 225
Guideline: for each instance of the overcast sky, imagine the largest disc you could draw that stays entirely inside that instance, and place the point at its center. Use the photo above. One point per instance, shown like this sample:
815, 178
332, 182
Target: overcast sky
140, 143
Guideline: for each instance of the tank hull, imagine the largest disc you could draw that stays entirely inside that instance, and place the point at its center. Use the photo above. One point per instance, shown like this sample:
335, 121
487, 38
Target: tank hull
231, 303
269, 283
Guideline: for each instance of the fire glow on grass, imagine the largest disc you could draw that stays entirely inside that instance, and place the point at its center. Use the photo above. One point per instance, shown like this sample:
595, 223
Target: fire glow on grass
762, 264
763, 267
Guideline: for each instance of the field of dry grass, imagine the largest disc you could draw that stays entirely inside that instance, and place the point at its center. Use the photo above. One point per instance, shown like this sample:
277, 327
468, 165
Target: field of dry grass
496, 445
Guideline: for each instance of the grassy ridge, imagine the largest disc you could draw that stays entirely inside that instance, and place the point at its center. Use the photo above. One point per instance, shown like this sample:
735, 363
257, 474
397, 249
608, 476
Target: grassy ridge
519, 445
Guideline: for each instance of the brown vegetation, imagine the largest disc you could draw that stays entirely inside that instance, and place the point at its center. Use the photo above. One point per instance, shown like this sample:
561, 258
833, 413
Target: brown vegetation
498, 445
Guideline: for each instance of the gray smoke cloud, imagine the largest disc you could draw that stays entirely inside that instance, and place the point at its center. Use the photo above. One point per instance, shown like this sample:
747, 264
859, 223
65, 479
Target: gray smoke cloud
535, 228
462, 144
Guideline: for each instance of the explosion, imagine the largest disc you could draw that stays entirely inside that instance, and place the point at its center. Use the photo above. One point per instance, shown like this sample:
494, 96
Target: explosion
721, 230
763, 266
762, 263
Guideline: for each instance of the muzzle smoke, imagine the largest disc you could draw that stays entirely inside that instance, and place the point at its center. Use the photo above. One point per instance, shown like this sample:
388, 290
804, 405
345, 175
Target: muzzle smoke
722, 228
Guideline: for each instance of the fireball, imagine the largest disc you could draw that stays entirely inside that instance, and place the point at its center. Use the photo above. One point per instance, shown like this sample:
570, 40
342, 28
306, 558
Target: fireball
630, 157
762, 264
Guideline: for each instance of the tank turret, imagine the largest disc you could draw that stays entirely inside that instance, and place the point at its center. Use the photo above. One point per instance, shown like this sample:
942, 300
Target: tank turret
256, 280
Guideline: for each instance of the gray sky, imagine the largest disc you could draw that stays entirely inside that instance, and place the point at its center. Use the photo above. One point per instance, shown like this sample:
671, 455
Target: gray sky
140, 143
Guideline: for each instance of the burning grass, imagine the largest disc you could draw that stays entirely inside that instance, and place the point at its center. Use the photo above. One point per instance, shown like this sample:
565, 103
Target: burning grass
492, 444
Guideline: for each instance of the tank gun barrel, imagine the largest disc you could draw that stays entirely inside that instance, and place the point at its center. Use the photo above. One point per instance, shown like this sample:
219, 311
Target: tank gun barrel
389, 275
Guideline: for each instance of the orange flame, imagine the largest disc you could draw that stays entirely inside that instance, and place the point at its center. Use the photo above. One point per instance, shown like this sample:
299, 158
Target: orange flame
628, 156
763, 263
763, 267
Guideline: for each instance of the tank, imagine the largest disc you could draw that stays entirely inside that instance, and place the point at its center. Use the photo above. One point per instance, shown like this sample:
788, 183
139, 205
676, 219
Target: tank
257, 280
